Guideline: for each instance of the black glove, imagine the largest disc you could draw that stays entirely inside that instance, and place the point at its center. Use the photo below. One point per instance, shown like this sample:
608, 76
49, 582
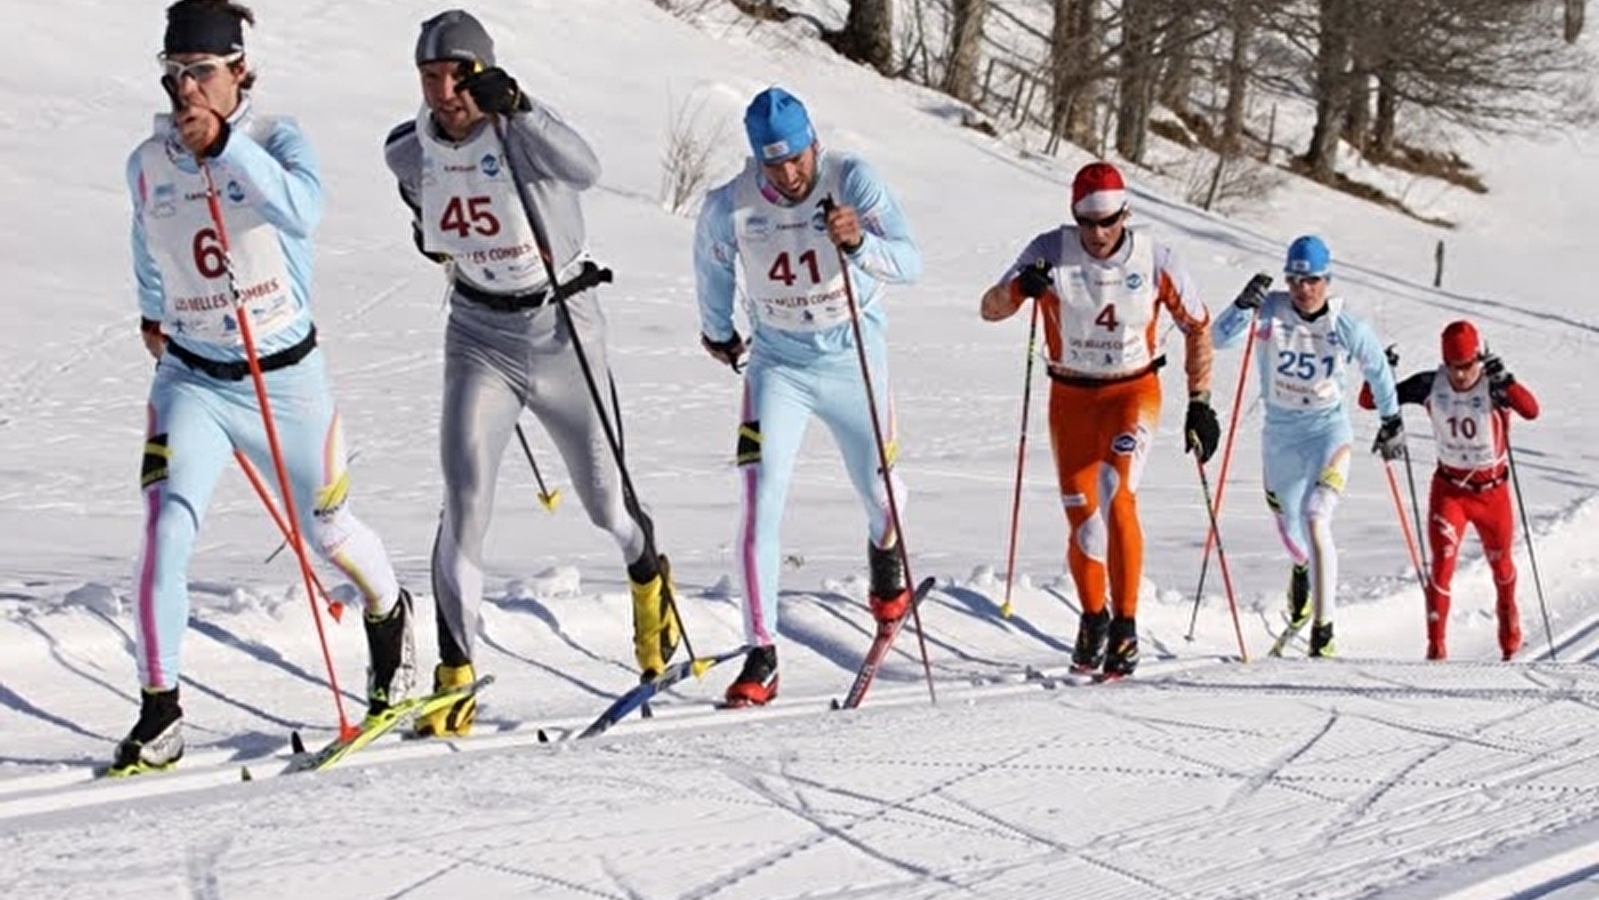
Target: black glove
495, 91
1499, 378
1201, 430
1392, 352
1254, 293
1390, 443
1035, 280
730, 351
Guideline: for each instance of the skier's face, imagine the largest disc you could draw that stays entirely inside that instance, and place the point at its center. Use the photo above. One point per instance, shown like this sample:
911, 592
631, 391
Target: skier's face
1101, 236
451, 106
793, 177
1464, 377
1309, 293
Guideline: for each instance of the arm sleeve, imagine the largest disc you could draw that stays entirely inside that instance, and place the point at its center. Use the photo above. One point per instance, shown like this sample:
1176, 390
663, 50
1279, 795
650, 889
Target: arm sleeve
1414, 389
1230, 328
888, 250
715, 258
281, 176
1178, 294
545, 145
1366, 350
1522, 400
146, 276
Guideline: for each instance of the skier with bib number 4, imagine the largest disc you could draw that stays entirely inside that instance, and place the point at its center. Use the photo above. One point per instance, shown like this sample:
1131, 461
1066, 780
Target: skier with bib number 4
1469, 398
1102, 286
1307, 343
785, 221
507, 346
203, 404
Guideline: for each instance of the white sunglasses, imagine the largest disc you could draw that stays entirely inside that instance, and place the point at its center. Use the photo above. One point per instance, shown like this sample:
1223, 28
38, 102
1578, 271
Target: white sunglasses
203, 69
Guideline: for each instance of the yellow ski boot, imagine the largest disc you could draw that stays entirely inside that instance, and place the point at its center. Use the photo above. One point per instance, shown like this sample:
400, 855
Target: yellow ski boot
454, 720
656, 631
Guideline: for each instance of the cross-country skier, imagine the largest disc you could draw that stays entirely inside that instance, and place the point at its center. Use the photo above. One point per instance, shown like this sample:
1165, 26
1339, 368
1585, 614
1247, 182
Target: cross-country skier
1102, 286
1306, 343
507, 345
783, 222
1469, 398
202, 403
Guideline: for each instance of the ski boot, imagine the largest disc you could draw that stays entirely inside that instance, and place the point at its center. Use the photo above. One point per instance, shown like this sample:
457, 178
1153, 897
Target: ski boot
756, 685
391, 655
156, 741
889, 598
1088, 654
456, 719
1321, 641
1121, 657
656, 630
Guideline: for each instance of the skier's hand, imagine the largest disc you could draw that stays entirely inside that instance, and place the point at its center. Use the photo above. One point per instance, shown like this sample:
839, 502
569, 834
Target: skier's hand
154, 341
1202, 431
729, 352
1254, 293
1392, 353
494, 91
1499, 378
1035, 279
844, 228
1390, 443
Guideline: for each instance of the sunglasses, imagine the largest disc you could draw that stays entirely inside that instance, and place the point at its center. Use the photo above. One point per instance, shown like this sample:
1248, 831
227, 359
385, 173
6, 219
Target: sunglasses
1302, 280
1108, 222
203, 69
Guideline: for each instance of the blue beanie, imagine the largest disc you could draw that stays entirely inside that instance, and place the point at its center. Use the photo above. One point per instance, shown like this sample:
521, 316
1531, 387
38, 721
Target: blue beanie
777, 125
1308, 255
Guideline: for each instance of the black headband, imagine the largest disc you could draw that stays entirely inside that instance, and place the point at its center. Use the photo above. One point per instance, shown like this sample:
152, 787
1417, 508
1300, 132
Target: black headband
203, 29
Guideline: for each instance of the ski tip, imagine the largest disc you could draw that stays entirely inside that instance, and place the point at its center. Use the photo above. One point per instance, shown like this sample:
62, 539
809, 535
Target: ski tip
645, 712
296, 743
543, 737
244, 774
1006, 610
701, 666
834, 705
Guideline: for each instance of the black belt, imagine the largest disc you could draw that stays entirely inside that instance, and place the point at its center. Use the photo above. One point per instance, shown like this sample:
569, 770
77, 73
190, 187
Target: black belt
240, 369
1086, 381
502, 302
1476, 487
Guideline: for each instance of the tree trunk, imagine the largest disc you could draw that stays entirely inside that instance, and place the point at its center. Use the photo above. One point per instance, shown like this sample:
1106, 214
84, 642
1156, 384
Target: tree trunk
1177, 75
1136, 79
1574, 15
1074, 45
966, 49
868, 35
1357, 117
1384, 132
1331, 87
1232, 117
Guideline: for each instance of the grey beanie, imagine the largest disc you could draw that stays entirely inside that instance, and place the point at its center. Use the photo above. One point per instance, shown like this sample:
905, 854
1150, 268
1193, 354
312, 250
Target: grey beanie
454, 35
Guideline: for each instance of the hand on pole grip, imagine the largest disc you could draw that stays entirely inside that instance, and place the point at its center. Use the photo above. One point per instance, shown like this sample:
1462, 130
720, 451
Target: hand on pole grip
591, 275
1202, 430
1390, 443
729, 352
1392, 353
1254, 293
1035, 279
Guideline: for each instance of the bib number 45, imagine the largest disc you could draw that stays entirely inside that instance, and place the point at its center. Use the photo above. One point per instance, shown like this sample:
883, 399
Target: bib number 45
464, 215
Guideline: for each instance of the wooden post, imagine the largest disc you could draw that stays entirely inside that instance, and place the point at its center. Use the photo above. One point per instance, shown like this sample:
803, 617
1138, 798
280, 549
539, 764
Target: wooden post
1438, 264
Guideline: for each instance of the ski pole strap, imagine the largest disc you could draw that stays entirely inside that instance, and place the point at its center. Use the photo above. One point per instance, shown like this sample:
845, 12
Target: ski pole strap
591, 275
239, 370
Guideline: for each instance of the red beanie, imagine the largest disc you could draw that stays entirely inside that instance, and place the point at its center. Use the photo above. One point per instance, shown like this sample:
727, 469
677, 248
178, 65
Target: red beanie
1460, 344
1098, 190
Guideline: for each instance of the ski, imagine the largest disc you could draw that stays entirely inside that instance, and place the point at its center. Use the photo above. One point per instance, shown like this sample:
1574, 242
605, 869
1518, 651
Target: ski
648, 690
404, 711
886, 632
1290, 631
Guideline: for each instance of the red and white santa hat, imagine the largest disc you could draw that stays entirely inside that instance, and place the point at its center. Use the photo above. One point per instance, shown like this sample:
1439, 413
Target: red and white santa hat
1098, 191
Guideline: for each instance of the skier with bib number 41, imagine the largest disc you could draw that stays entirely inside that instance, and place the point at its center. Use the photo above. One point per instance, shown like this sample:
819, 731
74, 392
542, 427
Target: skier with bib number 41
1307, 342
785, 221
507, 345
203, 404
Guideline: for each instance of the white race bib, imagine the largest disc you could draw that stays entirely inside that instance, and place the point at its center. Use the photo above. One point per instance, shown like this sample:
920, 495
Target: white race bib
1307, 360
1463, 422
1107, 309
471, 212
791, 269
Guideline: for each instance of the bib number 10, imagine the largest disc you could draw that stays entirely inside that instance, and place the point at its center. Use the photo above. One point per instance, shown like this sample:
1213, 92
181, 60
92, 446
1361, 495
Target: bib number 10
464, 215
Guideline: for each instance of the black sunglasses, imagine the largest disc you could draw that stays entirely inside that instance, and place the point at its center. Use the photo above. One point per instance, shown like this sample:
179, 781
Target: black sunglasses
1305, 279
1107, 222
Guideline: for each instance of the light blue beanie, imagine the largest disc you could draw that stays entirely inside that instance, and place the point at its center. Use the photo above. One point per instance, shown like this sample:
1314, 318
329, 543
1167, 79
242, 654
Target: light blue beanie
777, 125
1308, 255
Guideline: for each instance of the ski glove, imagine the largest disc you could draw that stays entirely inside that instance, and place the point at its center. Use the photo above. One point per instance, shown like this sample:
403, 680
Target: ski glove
495, 91
1390, 443
1499, 379
1035, 280
728, 352
1202, 430
1254, 293
1392, 352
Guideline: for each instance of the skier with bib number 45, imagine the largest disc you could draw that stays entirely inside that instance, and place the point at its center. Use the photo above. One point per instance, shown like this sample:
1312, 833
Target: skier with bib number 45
203, 404
507, 345
784, 221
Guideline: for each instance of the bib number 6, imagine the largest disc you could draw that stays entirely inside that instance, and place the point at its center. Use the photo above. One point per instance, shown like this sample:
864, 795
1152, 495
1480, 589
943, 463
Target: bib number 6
209, 257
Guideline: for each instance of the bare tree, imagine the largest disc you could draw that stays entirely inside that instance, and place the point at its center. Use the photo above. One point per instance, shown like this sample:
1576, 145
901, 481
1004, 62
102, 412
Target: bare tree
868, 35
1241, 23
1075, 67
1334, 56
1574, 15
965, 48
1136, 80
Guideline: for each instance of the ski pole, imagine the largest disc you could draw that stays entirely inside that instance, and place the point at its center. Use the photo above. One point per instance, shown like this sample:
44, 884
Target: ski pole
253, 358
1005, 608
336, 610
592, 276
1526, 531
1404, 522
1263, 281
1221, 554
1415, 515
883, 461
550, 499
